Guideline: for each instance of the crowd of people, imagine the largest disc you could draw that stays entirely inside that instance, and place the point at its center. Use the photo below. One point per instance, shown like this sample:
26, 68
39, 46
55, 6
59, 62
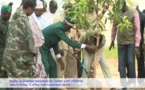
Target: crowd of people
37, 43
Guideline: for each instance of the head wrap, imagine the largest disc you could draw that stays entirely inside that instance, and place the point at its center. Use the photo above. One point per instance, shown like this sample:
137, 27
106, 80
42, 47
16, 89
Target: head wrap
69, 21
6, 8
39, 4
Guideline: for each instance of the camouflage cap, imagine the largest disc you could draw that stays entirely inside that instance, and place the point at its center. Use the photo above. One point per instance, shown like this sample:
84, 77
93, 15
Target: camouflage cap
6, 8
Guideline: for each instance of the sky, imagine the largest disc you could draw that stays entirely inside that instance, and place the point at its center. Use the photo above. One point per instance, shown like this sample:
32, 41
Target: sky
141, 4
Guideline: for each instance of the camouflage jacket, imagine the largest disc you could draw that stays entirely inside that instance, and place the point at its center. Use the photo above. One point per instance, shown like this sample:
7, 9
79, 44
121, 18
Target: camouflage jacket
3, 31
19, 52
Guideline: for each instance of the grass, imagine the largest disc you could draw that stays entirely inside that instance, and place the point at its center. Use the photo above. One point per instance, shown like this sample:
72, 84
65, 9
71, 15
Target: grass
113, 53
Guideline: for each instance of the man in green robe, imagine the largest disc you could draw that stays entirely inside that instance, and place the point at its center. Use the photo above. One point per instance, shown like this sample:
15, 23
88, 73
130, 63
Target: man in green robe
53, 34
4, 18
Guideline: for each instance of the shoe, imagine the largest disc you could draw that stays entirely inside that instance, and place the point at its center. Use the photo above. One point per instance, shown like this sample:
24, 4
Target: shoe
122, 89
132, 86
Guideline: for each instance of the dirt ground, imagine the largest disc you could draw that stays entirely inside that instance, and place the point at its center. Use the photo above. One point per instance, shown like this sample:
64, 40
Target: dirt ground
113, 65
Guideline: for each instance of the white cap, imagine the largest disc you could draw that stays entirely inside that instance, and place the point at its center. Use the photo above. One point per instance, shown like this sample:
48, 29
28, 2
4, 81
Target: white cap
39, 4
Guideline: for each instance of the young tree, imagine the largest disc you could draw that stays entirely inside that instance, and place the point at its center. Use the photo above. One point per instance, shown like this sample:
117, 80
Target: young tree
81, 9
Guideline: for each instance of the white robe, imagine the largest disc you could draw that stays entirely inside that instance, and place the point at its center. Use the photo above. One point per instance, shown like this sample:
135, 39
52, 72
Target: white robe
39, 41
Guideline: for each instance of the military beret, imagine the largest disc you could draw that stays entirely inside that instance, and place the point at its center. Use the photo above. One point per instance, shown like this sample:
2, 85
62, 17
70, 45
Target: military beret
69, 21
6, 8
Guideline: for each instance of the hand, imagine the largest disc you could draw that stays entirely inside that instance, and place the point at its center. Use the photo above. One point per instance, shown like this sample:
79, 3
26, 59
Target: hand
111, 45
91, 47
91, 72
77, 56
62, 52
137, 52
61, 63
104, 10
75, 50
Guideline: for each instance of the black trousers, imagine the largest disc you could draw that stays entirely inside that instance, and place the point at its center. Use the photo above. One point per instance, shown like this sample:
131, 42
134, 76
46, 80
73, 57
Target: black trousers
140, 63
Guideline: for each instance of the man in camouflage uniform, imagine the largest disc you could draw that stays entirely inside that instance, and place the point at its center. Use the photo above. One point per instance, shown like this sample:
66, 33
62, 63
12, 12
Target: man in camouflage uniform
4, 18
20, 51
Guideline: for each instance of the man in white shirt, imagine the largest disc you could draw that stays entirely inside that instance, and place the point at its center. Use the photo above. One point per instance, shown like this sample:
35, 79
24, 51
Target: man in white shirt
49, 15
37, 23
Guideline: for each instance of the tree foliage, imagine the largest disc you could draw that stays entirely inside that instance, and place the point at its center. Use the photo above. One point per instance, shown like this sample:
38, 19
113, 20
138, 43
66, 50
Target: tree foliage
82, 8
115, 16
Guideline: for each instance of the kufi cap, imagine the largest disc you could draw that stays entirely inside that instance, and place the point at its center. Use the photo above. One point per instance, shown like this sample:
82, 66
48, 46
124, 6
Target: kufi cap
39, 4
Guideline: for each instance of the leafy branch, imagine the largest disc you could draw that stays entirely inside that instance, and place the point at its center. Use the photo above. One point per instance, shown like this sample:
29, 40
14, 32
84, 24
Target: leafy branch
116, 16
81, 12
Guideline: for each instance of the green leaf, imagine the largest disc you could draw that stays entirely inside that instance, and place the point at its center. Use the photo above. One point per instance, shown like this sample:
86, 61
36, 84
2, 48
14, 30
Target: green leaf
87, 24
119, 25
121, 4
124, 18
99, 1
81, 20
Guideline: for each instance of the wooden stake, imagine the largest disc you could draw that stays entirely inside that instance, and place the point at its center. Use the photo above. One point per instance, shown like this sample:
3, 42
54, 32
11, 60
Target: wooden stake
95, 63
